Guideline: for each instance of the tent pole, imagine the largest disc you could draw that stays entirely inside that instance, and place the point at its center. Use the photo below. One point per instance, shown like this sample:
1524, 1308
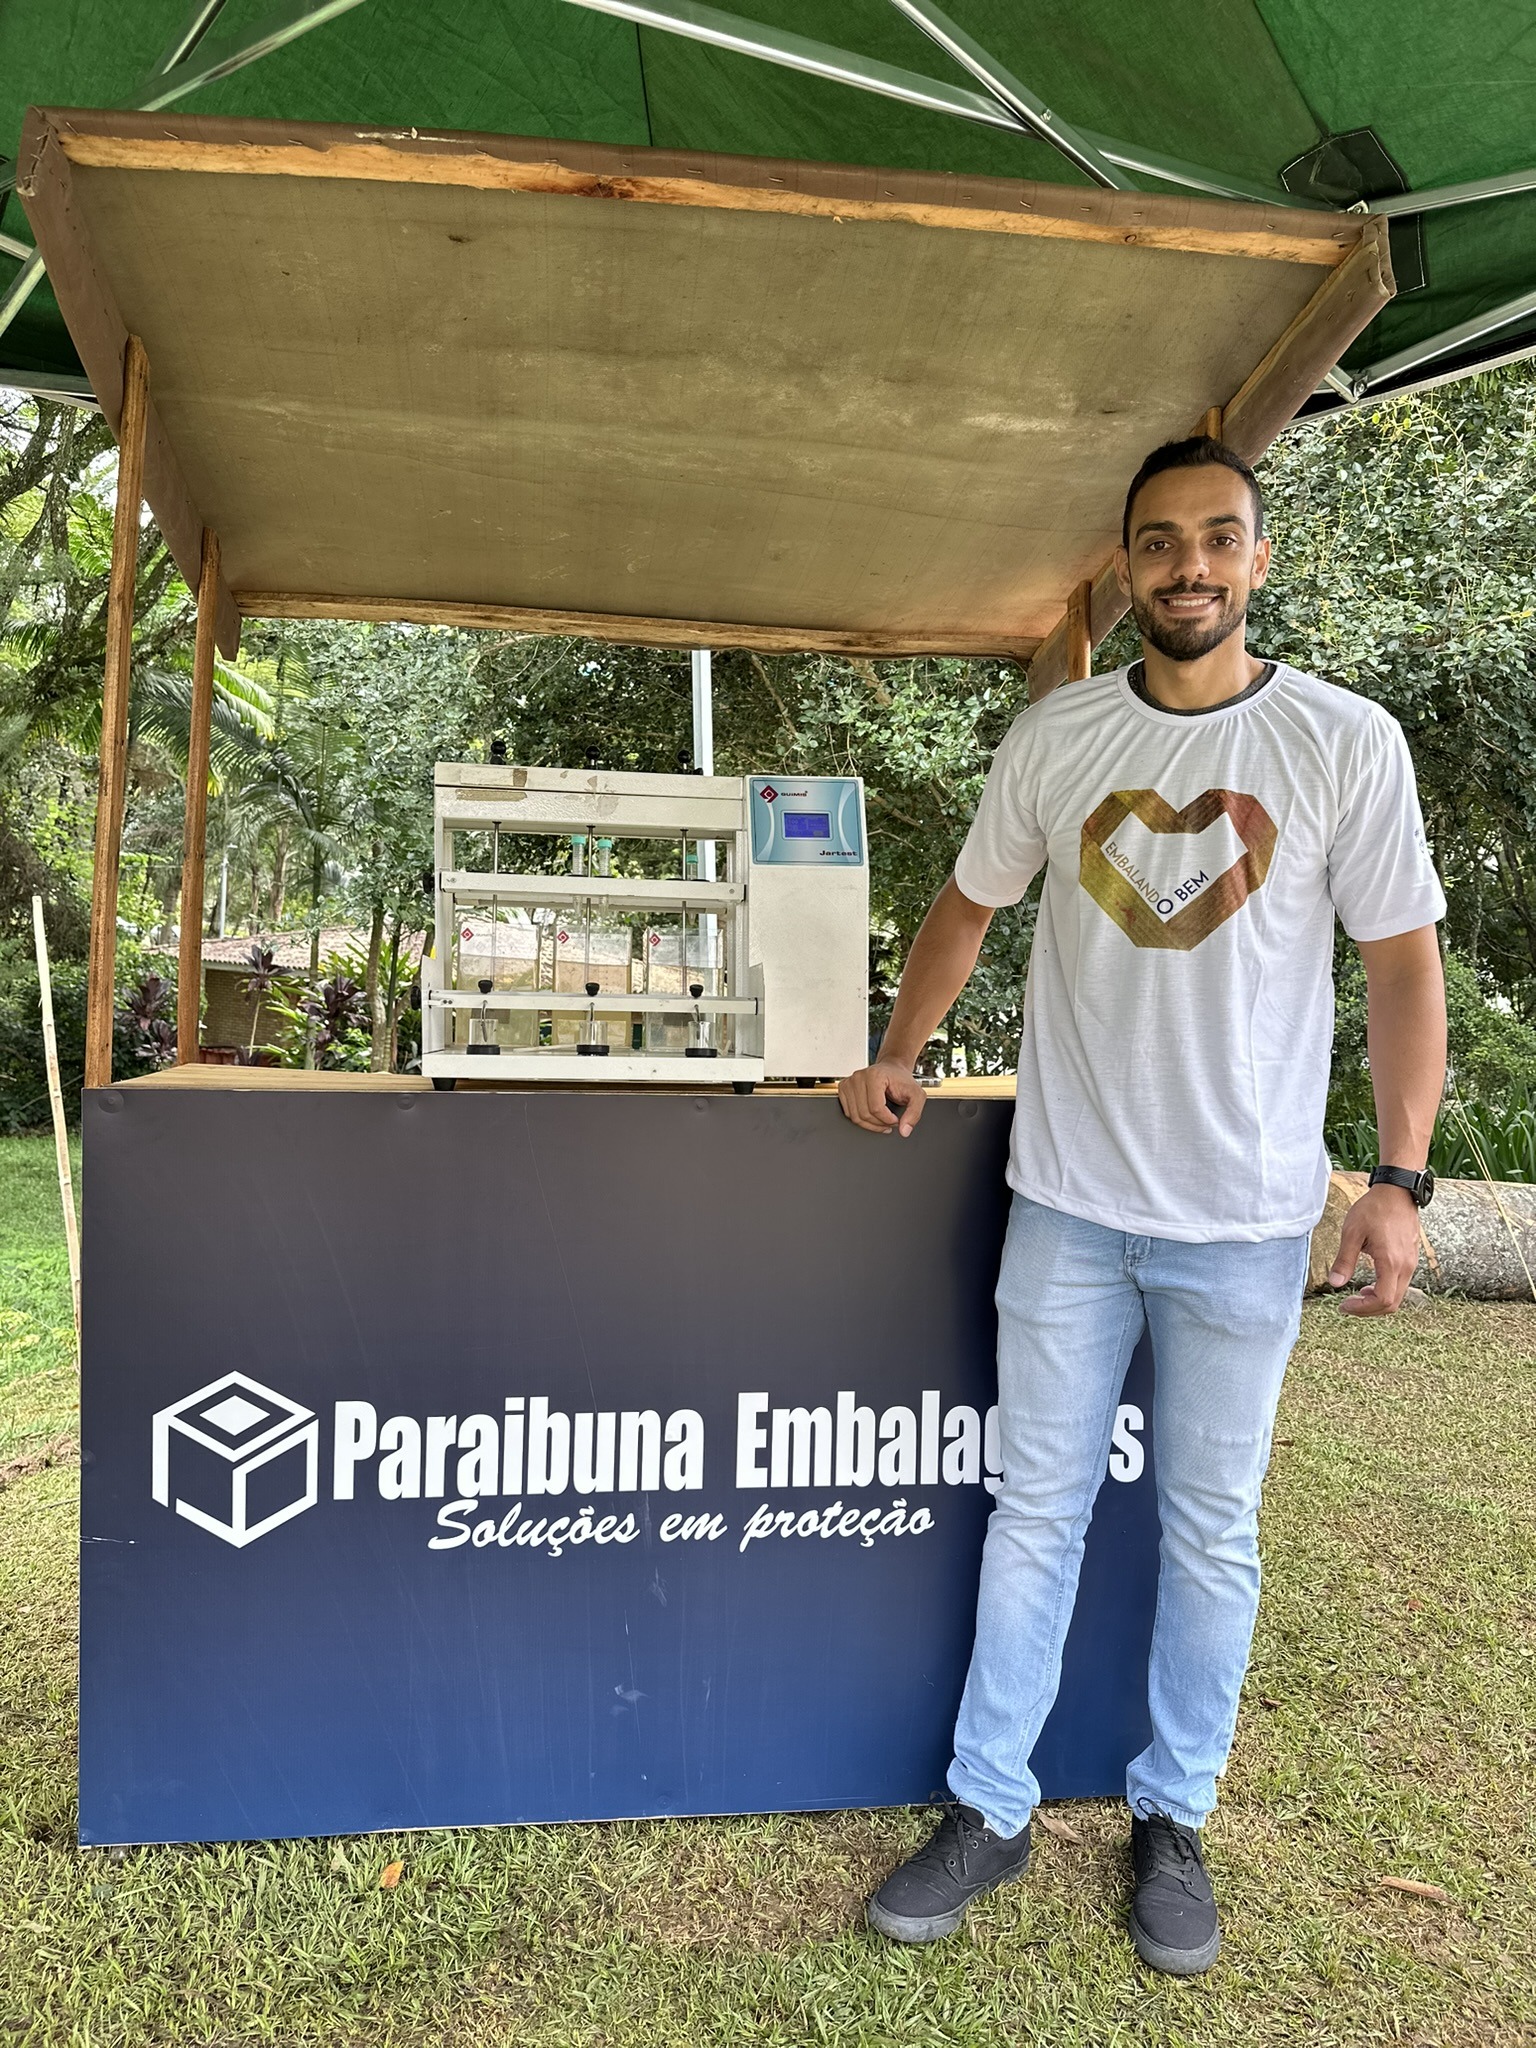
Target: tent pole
189, 971
113, 769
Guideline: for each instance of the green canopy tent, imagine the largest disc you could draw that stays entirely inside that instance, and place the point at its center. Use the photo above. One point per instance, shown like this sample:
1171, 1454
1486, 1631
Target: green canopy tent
1425, 114
1112, 293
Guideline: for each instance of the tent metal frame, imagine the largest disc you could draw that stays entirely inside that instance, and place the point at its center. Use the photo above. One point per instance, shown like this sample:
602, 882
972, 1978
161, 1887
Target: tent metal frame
1004, 102
1007, 103
180, 71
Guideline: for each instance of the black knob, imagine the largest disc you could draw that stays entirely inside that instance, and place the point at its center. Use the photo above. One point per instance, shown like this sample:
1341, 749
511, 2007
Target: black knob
594, 757
593, 987
486, 987
499, 753
695, 989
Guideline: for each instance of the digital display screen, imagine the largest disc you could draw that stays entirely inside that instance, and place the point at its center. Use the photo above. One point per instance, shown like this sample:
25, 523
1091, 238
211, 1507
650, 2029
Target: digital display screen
806, 824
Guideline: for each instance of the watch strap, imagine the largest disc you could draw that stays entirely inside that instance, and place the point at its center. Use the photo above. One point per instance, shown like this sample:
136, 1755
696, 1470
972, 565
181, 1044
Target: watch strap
1419, 1184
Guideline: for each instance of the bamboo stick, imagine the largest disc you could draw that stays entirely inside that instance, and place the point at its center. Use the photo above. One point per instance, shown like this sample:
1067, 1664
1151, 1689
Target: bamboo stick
56, 1104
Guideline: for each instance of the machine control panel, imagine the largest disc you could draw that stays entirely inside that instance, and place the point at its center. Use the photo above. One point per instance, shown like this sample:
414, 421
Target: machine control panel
806, 821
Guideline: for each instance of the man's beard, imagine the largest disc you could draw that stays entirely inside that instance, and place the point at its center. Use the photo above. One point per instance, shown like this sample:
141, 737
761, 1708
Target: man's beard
1188, 642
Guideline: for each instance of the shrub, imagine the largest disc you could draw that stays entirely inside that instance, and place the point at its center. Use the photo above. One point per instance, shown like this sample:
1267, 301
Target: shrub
23, 1072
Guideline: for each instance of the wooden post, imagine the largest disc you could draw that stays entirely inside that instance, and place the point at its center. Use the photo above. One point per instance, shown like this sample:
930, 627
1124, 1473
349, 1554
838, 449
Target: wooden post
189, 971
56, 1103
1079, 633
113, 776
1211, 425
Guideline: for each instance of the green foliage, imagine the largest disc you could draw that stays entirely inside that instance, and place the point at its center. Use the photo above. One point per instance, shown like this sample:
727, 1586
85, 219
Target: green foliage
1490, 1088
23, 1070
1403, 568
1404, 559
1471, 1141
23, 1073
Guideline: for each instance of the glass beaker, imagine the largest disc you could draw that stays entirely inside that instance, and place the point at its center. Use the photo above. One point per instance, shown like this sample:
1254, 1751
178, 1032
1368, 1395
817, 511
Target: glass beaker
482, 1030
701, 1045
592, 1038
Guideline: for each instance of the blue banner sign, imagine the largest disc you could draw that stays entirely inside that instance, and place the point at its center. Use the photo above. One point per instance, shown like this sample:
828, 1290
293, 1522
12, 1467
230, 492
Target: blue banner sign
501, 1457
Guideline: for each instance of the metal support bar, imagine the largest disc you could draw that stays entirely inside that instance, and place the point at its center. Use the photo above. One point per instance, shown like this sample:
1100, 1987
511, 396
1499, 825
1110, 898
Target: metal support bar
203, 69
1030, 109
1435, 345
48, 384
23, 284
172, 83
1173, 170
1440, 196
10, 246
703, 711
722, 31
702, 665
204, 14
162, 88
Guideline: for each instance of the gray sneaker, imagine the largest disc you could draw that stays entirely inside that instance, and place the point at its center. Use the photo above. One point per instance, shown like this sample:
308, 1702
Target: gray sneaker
1173, 1912
926, 1897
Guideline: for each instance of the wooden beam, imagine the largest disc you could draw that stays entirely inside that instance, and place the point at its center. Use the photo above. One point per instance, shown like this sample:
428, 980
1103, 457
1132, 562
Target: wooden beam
1346, 302
97, 328
624, 629
225, 145
112, 777
1210, 426
189, 971
1079, 655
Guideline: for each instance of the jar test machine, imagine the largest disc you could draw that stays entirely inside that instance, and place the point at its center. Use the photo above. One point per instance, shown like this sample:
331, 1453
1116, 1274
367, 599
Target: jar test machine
619, 928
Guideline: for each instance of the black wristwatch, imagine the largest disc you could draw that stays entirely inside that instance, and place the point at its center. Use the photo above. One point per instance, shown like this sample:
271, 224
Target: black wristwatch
1420, 1185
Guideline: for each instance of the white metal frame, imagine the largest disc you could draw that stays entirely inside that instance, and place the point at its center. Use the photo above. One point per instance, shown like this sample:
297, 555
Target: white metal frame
636, 806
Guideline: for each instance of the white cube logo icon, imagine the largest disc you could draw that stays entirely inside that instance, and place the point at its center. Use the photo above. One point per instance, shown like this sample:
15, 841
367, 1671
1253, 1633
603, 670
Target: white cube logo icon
236, 1458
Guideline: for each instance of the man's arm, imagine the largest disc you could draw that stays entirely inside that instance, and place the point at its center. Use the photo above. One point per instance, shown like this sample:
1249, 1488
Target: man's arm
885, 1097
1405, 1035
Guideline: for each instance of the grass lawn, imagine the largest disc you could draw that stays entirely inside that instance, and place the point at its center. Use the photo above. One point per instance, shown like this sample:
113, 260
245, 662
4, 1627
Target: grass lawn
1386, 1733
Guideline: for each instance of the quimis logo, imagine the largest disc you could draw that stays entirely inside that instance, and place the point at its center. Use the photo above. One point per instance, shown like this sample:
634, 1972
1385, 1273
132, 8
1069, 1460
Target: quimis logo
236, 1458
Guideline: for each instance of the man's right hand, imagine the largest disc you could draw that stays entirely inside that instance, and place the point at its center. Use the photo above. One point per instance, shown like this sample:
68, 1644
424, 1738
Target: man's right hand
883, 1098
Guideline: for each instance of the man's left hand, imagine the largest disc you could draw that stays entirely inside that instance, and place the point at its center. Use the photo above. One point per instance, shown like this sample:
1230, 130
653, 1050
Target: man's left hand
1383, 1226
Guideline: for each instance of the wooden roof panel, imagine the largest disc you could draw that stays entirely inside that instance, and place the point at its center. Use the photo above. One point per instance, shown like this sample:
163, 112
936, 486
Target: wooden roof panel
854, 408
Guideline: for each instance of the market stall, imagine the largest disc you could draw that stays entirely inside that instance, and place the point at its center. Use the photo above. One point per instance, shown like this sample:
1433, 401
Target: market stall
394, 1346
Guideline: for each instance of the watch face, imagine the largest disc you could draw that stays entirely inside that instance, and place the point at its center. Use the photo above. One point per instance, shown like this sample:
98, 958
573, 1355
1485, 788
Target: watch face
1426, 1187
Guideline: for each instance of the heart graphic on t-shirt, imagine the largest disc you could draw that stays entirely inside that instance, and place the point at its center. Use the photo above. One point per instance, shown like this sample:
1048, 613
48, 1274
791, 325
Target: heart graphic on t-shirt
1123, 892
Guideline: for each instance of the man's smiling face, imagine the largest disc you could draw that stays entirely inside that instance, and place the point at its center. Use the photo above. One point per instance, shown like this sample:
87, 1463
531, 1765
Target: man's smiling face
1194, 559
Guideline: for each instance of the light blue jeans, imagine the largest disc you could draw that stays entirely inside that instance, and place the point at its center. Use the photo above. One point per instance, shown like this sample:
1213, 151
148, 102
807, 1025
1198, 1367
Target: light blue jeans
1072, 1300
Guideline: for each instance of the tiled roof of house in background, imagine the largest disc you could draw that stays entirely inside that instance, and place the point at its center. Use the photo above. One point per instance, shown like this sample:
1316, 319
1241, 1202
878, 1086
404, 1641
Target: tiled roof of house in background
290, 950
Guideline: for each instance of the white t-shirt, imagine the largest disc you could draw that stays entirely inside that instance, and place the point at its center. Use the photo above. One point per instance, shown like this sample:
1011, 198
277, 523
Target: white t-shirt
1178, 1013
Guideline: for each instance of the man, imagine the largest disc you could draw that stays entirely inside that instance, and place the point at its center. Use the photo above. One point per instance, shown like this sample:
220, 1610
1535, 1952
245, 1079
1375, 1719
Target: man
1200, 818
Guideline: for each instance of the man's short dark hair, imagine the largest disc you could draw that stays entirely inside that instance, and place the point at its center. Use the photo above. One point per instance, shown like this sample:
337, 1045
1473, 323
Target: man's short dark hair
1198, 452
